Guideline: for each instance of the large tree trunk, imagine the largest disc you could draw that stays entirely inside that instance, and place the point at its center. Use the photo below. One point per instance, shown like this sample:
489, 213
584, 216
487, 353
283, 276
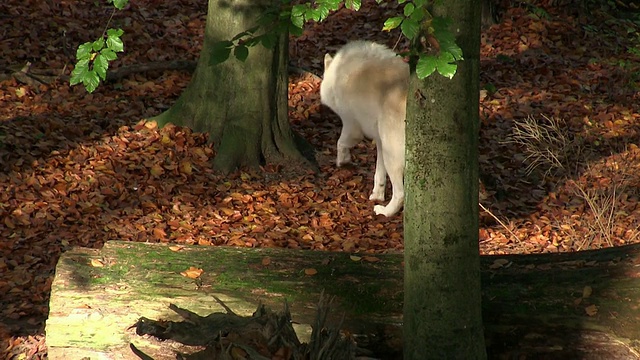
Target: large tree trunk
242, 105
442, 306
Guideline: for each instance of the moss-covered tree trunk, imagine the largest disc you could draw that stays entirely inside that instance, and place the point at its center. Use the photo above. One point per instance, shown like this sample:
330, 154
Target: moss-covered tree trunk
442, 298
242, 105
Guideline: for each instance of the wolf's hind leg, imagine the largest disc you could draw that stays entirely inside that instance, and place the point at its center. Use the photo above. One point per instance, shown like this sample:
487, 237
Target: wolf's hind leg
349, 137
394, 164
380, 177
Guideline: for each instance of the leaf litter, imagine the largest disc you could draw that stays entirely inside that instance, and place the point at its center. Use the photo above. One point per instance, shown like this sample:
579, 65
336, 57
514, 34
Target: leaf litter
79, 169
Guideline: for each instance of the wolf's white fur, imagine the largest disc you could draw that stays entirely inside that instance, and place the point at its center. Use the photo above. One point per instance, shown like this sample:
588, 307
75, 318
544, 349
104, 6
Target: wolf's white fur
366, 85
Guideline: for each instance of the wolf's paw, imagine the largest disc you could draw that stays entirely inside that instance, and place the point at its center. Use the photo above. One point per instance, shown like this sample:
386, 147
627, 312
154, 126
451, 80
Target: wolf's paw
383, 210
377, 195
343, 157
343, 160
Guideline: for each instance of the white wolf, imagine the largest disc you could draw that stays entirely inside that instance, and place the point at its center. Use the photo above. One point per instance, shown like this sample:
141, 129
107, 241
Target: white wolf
366, 84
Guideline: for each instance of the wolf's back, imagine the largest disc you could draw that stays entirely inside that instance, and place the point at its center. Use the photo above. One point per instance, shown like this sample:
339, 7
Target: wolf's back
366, 78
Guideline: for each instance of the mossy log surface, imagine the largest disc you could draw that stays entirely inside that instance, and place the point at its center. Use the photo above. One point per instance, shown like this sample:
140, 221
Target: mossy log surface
582, 305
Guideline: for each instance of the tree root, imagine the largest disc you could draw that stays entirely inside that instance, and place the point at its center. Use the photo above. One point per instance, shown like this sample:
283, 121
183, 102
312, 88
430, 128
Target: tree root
261, 336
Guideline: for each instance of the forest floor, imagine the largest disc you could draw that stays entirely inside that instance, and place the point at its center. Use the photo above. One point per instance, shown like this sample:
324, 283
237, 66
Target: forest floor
559, 153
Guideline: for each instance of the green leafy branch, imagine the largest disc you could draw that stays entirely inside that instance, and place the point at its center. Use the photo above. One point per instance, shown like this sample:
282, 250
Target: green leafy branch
434, 44
427, 32
93, 57
273, 23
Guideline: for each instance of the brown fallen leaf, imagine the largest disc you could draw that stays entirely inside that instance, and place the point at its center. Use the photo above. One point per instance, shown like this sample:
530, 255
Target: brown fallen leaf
266, 261
310, 271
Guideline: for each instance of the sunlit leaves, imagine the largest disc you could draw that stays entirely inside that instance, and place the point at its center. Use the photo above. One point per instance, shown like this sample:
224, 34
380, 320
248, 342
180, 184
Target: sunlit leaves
93, 59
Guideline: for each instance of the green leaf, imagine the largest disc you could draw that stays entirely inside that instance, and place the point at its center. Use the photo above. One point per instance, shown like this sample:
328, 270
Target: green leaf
426, 66
408, 9
113, 40
114, 32
401, 1
410, 28
268, 40
220, 52
295, 31
446, 64
353, 4
297, 21
84, 51
241, 52
320, 13
333, 4
418, 14
79, 72
420, 3
299, 10
441, 23
91, 81
82, 74
100, 66
119, 4
97, 45
447, 42
392, 23
108, 54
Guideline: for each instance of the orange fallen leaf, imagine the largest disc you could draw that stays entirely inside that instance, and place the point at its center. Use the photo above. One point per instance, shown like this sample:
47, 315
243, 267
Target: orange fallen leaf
591, 310
266, 261
176, 247
151, 124
192, 273
370, 259
310, 271
97, 263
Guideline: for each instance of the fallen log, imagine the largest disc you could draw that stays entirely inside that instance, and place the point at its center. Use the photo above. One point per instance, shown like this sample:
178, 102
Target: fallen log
554, 306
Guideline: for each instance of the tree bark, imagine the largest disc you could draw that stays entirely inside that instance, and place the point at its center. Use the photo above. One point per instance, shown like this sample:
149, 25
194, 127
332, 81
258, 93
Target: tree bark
242, 105
442, 298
